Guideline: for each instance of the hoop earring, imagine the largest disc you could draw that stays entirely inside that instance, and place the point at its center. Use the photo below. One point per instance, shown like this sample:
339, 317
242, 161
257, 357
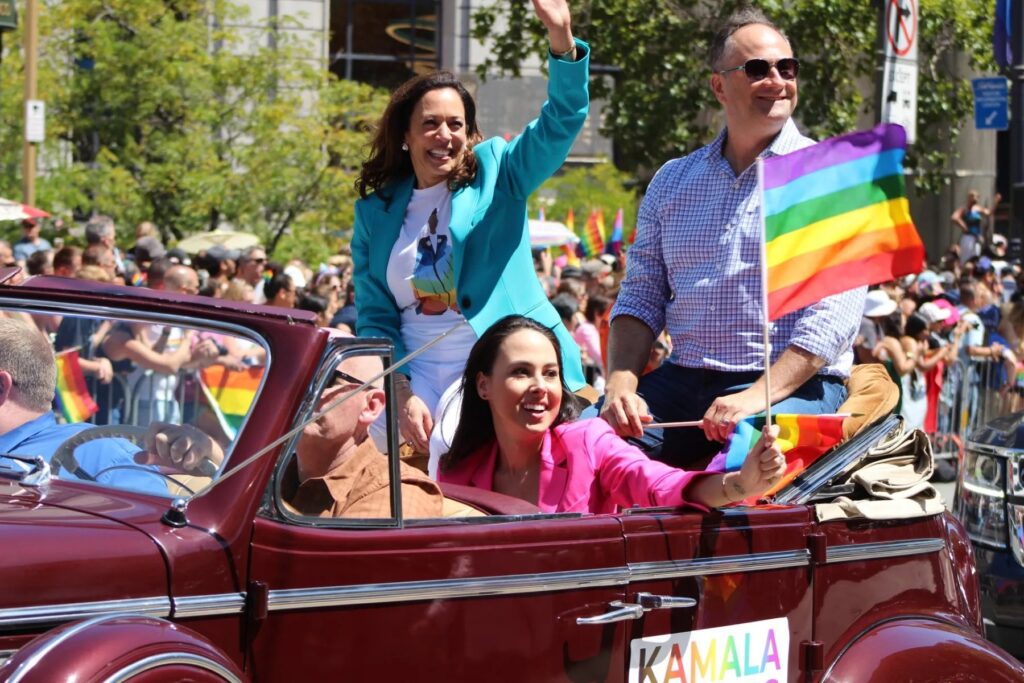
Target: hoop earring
405, 147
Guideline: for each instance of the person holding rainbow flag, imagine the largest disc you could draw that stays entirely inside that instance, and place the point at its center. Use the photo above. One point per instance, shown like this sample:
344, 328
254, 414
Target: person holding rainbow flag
754, 253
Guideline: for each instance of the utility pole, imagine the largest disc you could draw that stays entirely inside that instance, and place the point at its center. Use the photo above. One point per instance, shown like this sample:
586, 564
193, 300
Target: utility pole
1017, 124
28, 167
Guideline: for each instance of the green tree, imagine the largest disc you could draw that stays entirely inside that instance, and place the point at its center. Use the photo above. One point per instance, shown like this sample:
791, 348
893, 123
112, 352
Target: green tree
159, 111
584, 188
658, 99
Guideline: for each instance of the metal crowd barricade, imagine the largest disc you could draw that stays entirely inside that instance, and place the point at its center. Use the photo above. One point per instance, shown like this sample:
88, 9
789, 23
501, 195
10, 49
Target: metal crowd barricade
151, 397
973, 393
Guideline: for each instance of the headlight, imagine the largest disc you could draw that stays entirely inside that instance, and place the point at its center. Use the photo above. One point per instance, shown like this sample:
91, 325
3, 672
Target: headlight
981, 507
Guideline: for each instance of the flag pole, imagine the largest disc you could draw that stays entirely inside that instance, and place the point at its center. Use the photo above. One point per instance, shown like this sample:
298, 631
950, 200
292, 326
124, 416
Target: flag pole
764, 299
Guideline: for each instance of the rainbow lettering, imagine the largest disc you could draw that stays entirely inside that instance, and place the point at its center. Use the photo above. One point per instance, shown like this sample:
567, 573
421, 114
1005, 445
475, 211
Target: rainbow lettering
757, 651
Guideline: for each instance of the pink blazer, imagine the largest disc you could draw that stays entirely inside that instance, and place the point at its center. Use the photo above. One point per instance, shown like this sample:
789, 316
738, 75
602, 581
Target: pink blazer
586, 467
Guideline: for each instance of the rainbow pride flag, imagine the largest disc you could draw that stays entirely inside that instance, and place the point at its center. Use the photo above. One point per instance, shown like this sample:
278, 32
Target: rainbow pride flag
72, 396
614, 246
569, 250
230, 394
802, 438
592, 237
836, 217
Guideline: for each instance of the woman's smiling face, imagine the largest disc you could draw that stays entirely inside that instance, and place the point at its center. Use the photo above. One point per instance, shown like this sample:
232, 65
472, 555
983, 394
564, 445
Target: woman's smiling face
436, 136
524, 387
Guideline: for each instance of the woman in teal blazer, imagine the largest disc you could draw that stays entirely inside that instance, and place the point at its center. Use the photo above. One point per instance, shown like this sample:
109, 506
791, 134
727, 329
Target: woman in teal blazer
477, 228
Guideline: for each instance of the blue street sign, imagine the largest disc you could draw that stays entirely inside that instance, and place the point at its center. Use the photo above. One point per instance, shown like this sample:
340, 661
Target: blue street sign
991, 103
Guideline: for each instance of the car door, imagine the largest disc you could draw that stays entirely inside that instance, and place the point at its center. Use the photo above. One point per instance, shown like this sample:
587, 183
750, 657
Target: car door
725, 595
453, 598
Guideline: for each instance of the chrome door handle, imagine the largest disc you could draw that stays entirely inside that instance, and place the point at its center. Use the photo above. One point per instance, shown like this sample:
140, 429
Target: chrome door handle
649, 601
622, 612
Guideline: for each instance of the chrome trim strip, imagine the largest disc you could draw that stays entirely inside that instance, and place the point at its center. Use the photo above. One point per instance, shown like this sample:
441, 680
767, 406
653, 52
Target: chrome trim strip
409, 591
209, 605
25, 666
48, 614
877, 551
652, 571
5, 655
171, 659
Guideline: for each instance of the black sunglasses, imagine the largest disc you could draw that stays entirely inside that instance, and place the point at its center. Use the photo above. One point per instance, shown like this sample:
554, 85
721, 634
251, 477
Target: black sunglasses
758, 69
339, 374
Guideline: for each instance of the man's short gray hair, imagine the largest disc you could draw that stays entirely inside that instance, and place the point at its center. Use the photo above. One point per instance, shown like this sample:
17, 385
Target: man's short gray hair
97, 228
744, 16
26, 354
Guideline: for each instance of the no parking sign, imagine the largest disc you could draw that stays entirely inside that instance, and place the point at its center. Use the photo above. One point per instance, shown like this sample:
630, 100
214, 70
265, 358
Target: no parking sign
899, 73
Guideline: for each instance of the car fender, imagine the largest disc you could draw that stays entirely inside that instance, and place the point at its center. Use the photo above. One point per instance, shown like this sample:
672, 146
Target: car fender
921, 650
116, 648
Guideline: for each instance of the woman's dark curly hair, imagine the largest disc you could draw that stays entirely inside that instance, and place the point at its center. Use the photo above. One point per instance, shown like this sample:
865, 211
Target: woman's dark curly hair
388, 162
476, 424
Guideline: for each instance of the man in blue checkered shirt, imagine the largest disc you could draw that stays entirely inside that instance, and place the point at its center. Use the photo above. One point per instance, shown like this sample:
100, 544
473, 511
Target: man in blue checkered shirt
695, 270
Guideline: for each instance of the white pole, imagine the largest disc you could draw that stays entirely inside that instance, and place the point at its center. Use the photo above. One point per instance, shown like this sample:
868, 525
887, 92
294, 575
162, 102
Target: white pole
764, 299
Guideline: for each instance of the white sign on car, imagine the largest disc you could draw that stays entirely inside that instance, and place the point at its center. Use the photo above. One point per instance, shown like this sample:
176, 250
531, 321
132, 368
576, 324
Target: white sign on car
753, 651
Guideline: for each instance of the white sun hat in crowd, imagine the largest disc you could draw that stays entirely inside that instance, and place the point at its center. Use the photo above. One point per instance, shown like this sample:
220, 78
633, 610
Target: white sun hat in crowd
878, 303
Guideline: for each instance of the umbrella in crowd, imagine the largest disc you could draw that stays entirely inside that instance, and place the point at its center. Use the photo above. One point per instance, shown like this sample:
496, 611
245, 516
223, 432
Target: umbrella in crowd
545, 234
16, 211
226, 239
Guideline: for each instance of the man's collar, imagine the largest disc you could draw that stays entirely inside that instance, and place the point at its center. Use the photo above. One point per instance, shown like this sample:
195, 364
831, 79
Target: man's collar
787, 140
25, 431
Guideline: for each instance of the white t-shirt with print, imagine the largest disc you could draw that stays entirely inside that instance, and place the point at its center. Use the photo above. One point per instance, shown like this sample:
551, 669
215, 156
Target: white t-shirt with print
421, 276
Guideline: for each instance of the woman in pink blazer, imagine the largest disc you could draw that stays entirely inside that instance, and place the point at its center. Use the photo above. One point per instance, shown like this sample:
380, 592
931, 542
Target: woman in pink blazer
517, 436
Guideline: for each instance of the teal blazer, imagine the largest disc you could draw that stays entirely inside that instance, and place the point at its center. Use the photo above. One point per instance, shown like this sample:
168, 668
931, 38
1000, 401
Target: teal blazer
494, 273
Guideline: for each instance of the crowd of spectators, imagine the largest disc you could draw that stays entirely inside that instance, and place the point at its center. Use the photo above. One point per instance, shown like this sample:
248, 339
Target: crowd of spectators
927, 329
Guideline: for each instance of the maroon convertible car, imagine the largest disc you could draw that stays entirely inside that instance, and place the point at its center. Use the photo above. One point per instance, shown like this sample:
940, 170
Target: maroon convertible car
136, 573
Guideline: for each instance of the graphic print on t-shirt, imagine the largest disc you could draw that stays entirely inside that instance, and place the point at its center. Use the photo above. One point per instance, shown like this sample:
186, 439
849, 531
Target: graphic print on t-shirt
433, 278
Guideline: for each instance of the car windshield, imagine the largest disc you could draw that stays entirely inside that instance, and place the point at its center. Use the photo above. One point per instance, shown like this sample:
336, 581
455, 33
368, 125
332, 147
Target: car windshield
149, 405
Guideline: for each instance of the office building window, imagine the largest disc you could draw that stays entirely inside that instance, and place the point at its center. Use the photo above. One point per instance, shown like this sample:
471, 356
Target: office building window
384, 42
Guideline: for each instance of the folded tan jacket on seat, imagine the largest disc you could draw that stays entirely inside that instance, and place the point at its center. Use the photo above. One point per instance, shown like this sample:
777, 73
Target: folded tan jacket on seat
871, 395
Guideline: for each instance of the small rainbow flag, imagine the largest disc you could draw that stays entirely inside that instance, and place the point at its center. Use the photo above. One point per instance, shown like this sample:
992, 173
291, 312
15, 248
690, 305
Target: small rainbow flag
540, 213
836, 217
230, 394
569, 250
614, 246
592, 237
72, 396
802, 438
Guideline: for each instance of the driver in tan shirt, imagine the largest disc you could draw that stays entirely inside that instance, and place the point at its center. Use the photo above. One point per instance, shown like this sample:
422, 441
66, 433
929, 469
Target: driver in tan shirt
338, 472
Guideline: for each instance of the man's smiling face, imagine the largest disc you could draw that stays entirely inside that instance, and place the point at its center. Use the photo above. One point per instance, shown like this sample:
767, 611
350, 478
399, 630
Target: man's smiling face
763, 105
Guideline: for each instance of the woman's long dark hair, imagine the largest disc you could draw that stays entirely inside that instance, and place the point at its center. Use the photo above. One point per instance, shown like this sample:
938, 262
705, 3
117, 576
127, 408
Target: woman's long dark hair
388, 162
476, 424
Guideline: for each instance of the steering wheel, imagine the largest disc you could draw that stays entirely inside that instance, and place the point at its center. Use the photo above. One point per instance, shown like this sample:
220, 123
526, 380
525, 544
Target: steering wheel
64, 456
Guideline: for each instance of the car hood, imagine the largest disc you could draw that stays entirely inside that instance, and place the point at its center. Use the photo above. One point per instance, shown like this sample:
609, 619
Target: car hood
70, 544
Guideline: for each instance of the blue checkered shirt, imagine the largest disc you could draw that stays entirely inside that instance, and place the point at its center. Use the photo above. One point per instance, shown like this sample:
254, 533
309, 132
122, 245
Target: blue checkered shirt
695, 270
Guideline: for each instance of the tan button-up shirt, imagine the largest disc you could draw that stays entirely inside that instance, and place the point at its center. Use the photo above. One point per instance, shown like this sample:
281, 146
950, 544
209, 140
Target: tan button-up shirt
359, 487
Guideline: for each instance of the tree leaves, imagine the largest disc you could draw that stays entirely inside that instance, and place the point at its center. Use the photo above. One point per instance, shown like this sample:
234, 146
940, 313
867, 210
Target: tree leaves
659, 104
173, 116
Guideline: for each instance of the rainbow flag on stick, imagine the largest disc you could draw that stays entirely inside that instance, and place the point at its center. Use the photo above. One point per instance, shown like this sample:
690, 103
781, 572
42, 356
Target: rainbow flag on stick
592, 239
802, 438
836, 217
569, 250
230, 394
72, 396
614, 246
